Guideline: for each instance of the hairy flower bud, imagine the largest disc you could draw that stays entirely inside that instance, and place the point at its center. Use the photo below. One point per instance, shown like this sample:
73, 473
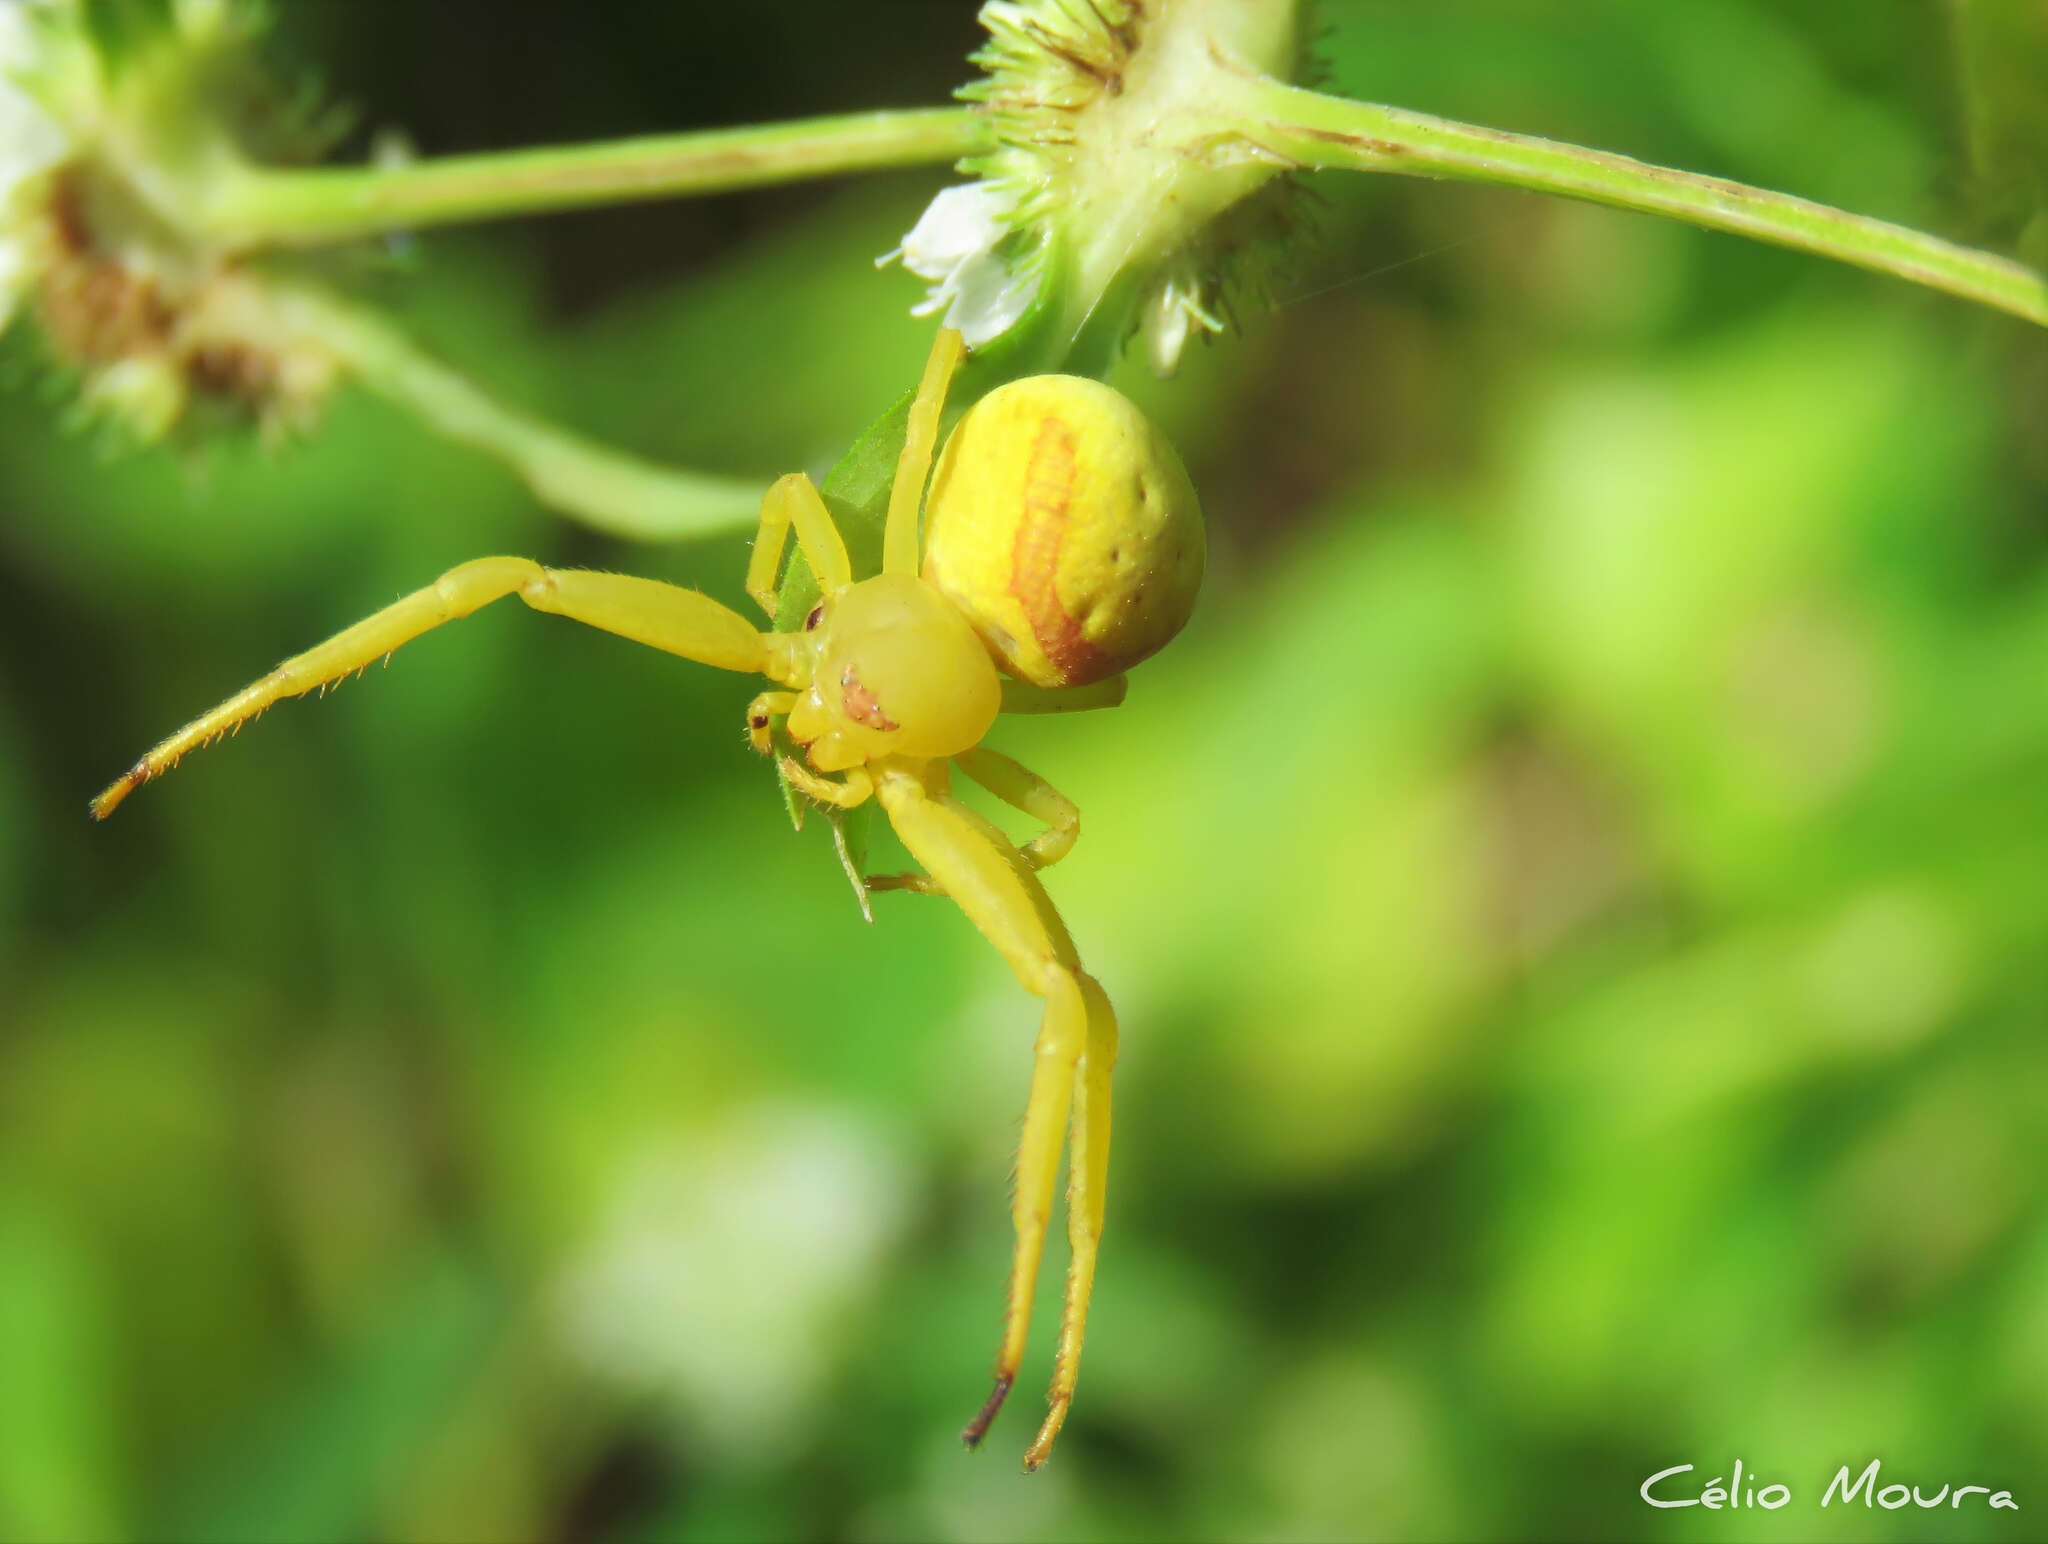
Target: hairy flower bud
1111, 202
104, 155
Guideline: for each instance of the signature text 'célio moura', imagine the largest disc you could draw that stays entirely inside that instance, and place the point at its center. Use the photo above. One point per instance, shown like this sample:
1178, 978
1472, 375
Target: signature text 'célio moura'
1666, 1489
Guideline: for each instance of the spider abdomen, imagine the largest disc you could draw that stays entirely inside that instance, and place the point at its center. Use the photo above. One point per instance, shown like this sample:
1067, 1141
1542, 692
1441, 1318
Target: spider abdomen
1062, 524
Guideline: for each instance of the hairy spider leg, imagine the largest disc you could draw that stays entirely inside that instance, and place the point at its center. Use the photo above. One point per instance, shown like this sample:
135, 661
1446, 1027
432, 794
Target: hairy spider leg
901, 536
1087, 1189
645, 610
1021, 788
855, 786
795, 501
998, 889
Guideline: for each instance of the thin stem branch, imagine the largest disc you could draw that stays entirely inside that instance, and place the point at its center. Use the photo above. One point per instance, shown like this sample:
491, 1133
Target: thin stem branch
1313, 130
307, 207
619, 494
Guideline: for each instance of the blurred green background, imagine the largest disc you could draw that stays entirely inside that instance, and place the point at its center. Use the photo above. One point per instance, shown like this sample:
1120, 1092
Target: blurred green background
1577, 895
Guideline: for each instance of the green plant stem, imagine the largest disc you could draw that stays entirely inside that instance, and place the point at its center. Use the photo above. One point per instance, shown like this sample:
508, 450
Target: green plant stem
1309, 129
270, 207
619, 494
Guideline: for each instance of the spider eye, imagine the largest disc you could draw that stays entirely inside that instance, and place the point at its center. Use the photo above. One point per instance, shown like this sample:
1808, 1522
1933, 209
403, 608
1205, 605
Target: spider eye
817, 615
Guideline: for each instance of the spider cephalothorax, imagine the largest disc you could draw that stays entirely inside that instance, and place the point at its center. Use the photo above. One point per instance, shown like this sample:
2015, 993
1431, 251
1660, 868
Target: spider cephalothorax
897, 672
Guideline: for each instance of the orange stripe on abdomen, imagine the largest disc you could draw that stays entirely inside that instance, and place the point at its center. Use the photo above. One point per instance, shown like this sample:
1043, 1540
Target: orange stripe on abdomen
1049, 474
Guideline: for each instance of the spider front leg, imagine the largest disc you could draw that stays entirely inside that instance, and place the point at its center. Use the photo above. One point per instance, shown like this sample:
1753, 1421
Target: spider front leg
645, 610
794, 502
999, 890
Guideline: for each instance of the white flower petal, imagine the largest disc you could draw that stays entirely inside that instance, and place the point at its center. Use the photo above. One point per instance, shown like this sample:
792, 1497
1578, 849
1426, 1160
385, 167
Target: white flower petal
29, 138
17, 41
957, 225
954, 243
988, 298
1165, 327
1170, 315
30, 141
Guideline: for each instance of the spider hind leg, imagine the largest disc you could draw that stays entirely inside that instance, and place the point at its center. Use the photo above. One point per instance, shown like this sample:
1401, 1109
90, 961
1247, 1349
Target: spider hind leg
1021, 788
998, 888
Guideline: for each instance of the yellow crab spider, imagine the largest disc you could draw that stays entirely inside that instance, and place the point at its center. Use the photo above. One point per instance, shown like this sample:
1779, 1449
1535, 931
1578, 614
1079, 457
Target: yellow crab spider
1062, 542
